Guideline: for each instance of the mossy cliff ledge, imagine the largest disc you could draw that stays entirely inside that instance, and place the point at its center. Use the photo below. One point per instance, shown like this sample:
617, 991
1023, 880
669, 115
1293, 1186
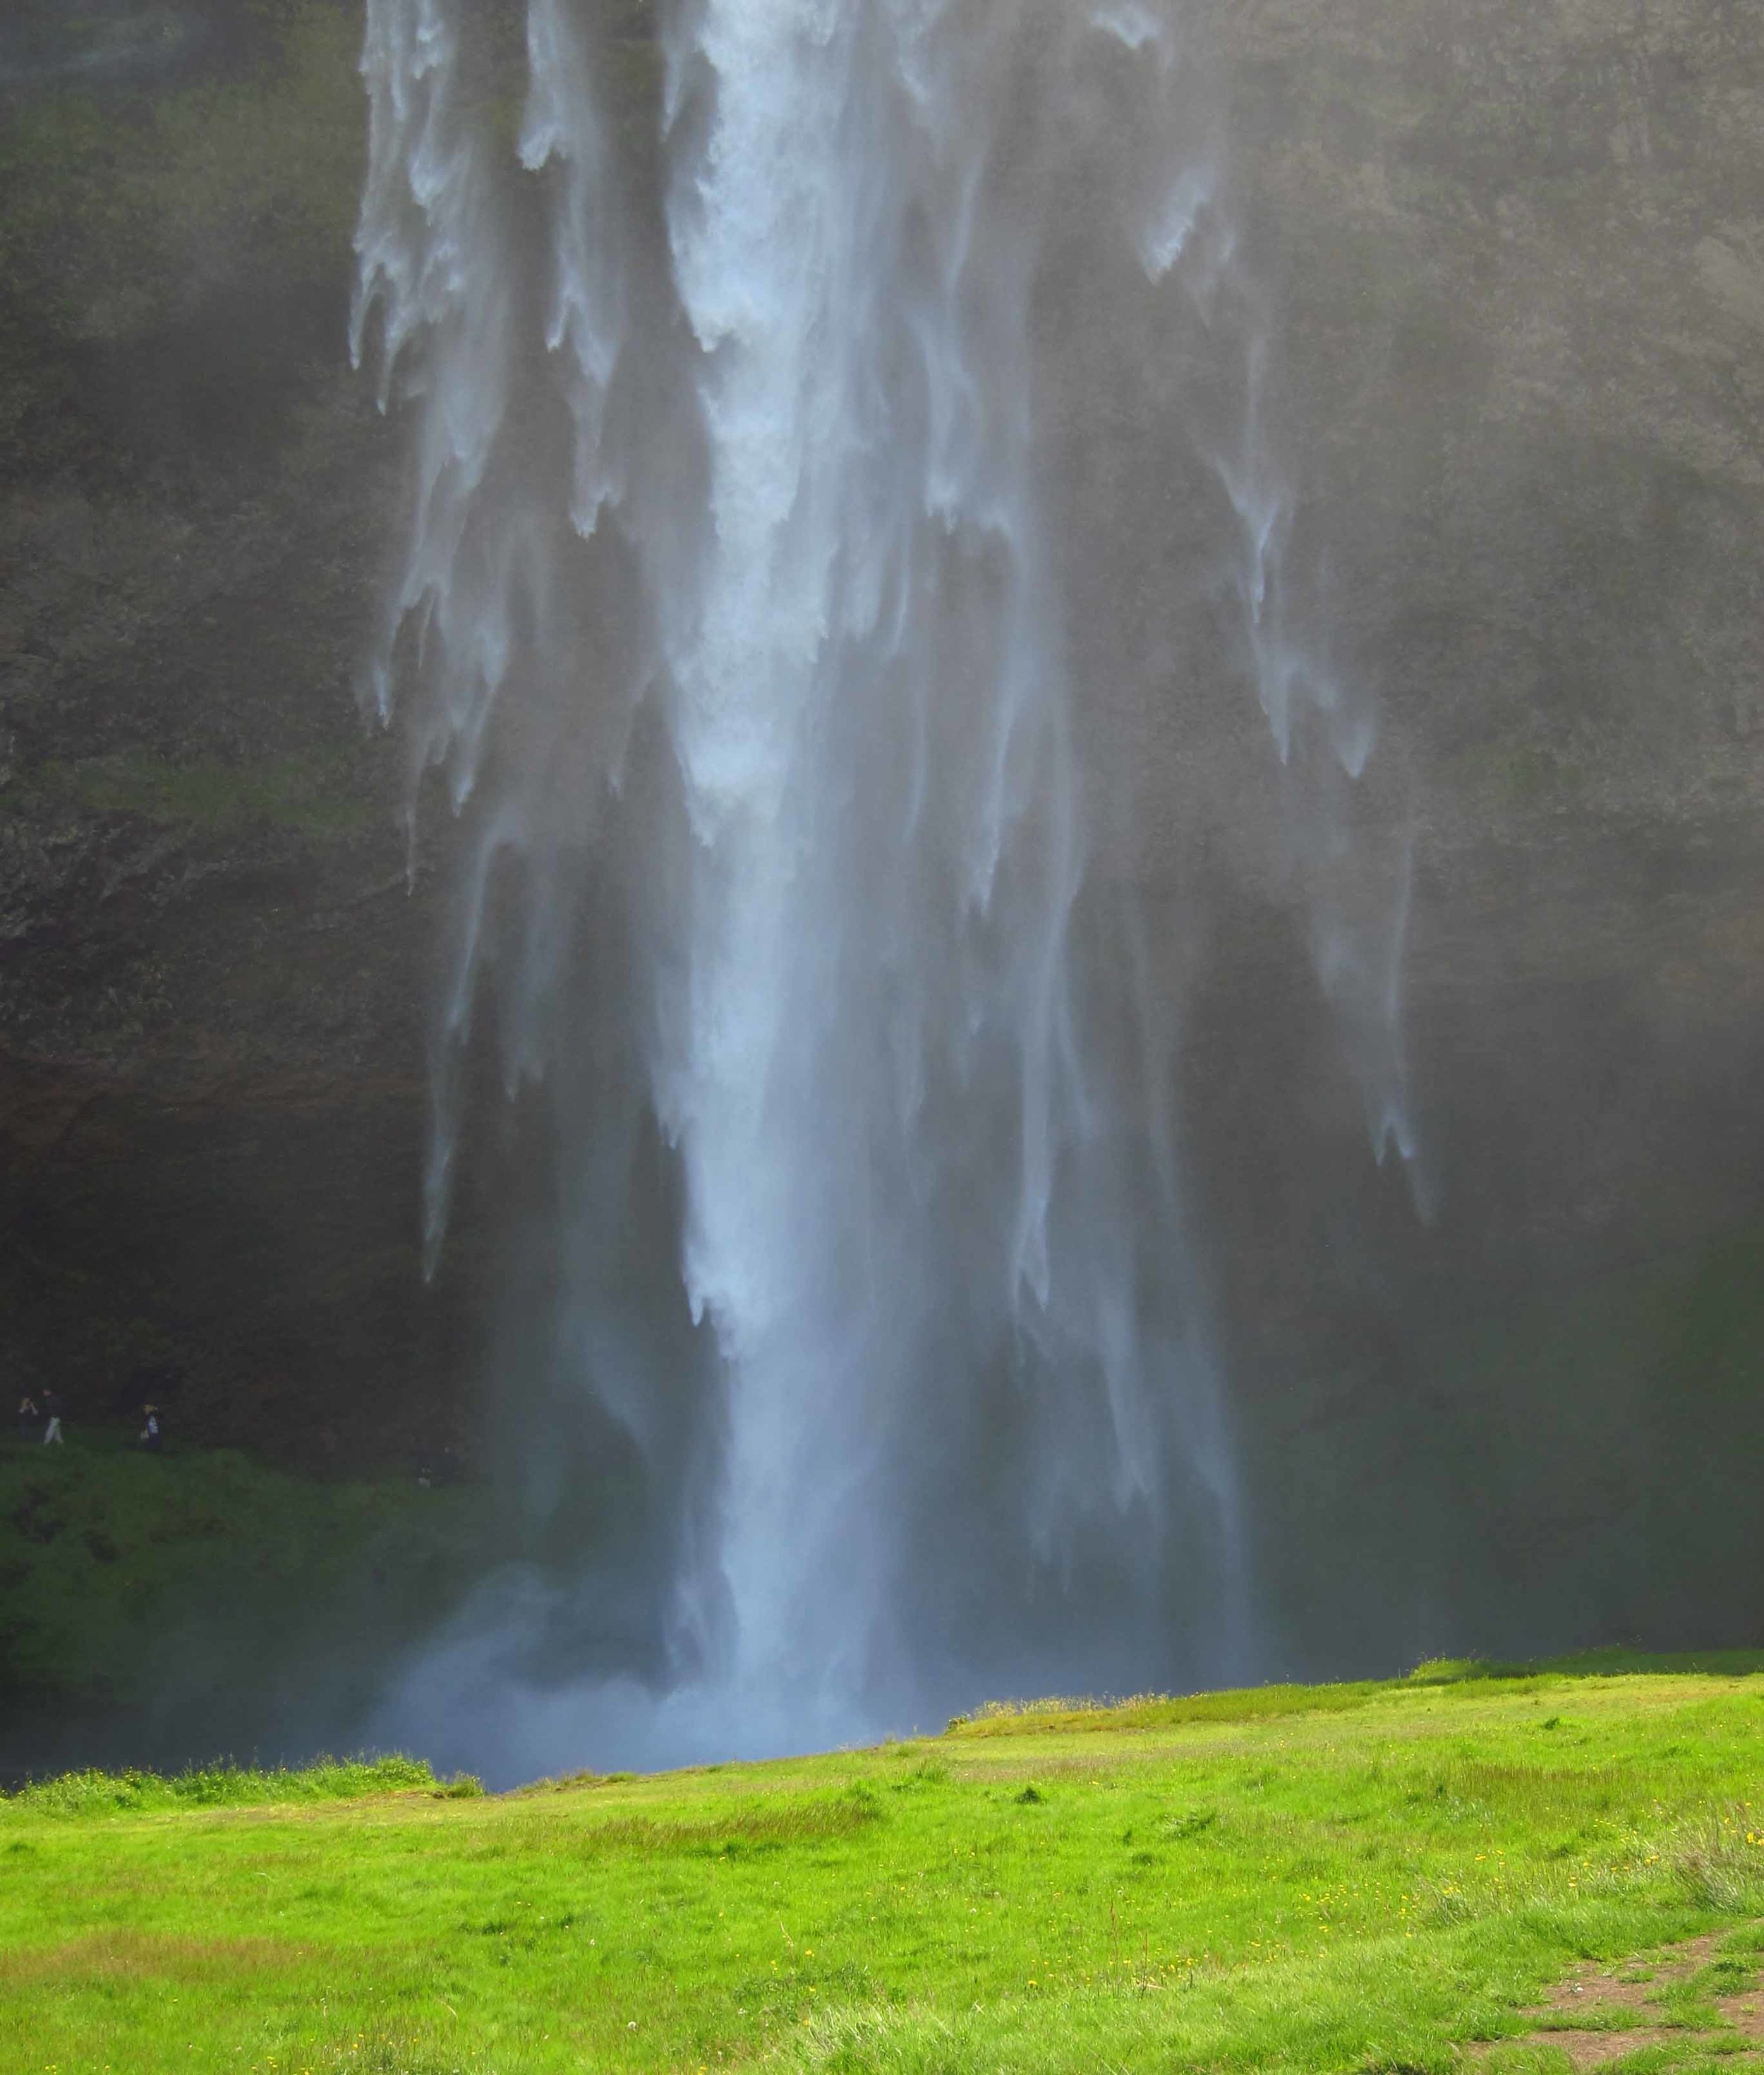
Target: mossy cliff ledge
1516, 252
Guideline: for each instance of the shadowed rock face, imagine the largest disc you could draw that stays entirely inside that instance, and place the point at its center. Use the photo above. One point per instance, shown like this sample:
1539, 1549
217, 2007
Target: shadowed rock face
1521, 249
213, 980
1516, 261
95, 43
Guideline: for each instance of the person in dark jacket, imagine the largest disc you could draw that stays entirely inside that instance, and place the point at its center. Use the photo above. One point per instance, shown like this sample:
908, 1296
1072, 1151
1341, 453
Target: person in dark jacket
51, 1411
28, 1416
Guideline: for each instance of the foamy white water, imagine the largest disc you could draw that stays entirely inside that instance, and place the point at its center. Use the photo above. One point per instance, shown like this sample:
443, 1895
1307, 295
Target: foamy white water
730, 620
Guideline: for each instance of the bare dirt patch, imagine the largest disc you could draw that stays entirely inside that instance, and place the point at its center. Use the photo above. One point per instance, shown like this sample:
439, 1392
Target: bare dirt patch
1599, 2015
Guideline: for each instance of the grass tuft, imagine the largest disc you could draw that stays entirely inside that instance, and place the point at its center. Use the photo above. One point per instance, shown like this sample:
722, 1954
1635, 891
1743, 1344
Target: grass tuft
1720, 1858
89, 1794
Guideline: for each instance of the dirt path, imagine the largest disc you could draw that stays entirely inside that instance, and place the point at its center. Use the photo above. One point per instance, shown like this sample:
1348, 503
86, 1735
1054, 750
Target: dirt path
1692, 1997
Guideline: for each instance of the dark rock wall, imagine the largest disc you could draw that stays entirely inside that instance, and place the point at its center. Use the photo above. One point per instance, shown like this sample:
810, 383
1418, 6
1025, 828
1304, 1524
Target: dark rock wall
1520, 253
212, 972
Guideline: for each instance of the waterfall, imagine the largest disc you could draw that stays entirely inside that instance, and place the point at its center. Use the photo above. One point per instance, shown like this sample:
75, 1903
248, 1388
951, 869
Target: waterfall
851, 1343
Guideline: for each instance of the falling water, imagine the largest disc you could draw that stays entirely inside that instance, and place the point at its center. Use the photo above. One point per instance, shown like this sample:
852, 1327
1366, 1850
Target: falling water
851, 1357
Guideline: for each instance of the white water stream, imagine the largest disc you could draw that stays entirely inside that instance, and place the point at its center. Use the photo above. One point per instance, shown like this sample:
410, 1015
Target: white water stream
731, 628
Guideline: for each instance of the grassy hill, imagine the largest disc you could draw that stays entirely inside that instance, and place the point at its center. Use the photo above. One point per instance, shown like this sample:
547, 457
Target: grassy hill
1371, 1877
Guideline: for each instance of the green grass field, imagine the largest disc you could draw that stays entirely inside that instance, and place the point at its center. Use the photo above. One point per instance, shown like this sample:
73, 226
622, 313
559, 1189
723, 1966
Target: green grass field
1364, 1878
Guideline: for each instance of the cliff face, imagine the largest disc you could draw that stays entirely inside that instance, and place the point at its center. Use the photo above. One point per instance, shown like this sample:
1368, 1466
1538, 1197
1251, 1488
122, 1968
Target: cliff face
1521, 254
211, 975
1525, 248
1518, 257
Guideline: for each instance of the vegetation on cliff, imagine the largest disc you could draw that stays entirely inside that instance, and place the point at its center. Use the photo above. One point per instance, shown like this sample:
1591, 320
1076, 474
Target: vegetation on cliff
193, 221
122, 1571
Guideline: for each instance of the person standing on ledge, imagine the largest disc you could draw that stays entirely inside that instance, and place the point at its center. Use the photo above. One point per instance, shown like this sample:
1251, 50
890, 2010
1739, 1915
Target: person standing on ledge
52, 1407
